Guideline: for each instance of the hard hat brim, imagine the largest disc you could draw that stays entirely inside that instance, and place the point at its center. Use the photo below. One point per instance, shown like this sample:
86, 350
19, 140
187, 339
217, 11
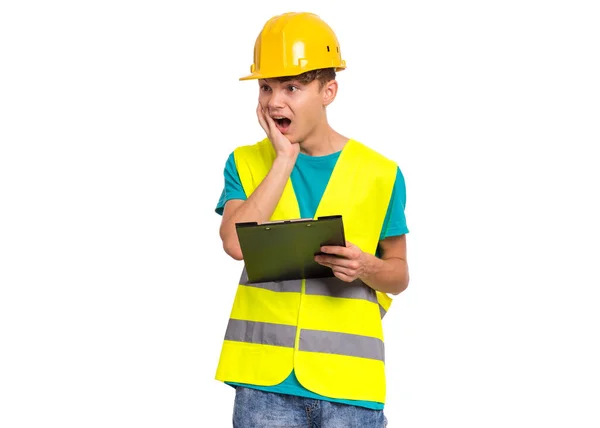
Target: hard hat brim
256, 76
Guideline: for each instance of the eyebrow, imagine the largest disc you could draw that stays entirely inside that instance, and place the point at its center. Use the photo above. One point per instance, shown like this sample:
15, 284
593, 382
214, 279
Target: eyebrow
294, 82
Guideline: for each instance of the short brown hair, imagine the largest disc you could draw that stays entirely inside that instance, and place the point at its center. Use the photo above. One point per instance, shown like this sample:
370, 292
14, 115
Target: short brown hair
323, 75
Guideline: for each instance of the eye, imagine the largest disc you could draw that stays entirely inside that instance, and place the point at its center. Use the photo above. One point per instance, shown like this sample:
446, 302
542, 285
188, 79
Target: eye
292, 88
265, 88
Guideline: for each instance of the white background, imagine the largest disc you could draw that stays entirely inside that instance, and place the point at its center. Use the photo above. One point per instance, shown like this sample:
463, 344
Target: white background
116, 118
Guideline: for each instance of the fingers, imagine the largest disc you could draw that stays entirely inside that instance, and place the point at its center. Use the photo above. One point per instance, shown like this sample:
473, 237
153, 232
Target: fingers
344, 277
343, 266
335, 262
272, 127
344, 274
262, 119
347, 252
266, 122
280, 143
347, 270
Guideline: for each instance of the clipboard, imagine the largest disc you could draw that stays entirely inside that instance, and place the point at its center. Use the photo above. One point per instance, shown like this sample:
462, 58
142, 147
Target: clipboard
285, 249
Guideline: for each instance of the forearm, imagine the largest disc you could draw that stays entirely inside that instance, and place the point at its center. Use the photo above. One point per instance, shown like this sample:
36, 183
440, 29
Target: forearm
386, 275
259, 206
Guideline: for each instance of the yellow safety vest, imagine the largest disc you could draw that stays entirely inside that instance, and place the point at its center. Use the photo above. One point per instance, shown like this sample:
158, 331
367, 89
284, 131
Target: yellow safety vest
327, 330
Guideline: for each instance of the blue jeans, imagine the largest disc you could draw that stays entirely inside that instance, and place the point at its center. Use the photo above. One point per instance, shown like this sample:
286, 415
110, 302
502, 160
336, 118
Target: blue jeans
258, 409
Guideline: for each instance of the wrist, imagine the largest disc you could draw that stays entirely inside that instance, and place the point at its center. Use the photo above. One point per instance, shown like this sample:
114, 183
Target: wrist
285, 162
371, 265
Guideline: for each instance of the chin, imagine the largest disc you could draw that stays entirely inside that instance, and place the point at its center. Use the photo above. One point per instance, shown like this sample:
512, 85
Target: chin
294, 139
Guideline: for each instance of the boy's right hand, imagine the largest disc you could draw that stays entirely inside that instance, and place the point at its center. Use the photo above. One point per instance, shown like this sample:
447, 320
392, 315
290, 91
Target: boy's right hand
283, 147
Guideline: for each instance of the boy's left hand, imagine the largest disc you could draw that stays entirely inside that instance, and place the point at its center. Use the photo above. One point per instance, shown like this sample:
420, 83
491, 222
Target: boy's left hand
348, 263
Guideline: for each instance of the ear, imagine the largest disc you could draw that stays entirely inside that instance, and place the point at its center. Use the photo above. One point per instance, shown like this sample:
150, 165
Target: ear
329, 92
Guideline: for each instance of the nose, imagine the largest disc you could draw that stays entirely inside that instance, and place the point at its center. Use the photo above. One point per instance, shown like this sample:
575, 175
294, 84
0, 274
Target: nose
275, 101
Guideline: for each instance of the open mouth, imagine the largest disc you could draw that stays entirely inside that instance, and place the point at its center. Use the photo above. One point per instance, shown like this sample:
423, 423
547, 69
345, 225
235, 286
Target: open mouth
282, 122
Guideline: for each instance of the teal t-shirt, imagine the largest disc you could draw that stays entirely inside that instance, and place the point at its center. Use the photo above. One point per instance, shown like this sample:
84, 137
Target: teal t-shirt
309, 180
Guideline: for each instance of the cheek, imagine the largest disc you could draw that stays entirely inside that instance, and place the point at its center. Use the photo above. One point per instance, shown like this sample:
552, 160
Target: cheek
310, 116
262, 100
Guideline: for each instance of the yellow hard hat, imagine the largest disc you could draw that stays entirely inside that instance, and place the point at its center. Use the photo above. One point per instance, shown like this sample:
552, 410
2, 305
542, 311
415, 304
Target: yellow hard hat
294, 43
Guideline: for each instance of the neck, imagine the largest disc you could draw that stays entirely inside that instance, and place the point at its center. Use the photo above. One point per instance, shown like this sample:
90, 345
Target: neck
324, 140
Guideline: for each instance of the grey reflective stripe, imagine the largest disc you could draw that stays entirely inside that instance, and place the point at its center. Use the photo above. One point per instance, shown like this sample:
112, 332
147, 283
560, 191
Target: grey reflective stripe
382, 311
261, 332
335, 287
342, 344
290, 286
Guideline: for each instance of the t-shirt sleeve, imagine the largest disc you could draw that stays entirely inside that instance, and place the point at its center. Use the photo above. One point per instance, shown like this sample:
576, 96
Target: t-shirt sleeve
395, 219
233, 185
